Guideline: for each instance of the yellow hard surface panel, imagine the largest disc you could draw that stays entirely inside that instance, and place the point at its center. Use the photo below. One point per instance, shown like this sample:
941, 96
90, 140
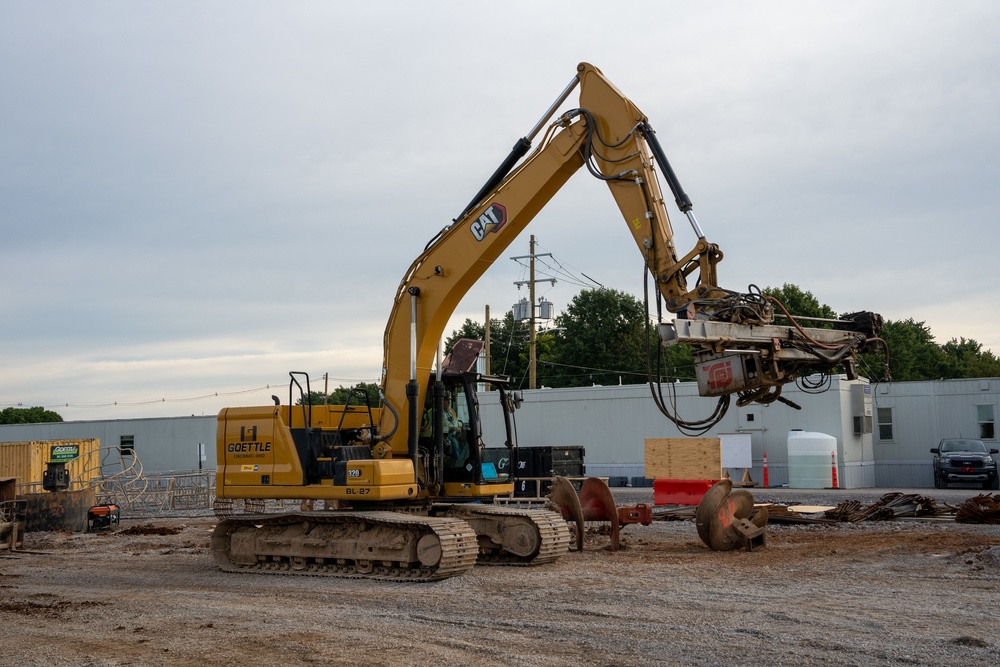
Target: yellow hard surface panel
683, 458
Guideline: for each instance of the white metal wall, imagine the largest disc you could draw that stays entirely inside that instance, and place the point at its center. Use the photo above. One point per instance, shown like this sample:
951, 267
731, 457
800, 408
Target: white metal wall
613, 423
161, 444
922, 414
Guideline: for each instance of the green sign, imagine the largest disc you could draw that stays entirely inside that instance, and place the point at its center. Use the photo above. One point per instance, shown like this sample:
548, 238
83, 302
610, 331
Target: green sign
64, 453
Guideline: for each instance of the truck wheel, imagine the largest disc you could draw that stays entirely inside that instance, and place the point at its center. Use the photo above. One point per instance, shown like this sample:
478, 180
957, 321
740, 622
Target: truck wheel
995, 484
937, 481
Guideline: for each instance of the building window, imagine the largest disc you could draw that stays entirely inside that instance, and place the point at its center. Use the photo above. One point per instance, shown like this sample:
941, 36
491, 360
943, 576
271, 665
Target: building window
127, 445
885, 424
984, 414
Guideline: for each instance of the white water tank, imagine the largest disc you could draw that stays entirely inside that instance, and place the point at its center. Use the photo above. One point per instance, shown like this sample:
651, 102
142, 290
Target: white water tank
810, 460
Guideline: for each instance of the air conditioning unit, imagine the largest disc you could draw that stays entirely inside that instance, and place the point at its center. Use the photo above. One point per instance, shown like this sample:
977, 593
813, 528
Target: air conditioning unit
861, 408
862, 424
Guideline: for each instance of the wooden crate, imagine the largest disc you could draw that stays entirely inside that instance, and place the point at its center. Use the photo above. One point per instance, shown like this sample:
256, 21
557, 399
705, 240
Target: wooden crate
683, 458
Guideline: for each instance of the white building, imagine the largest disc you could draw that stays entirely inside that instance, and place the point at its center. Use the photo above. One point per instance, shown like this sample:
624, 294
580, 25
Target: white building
888, 449
162, 445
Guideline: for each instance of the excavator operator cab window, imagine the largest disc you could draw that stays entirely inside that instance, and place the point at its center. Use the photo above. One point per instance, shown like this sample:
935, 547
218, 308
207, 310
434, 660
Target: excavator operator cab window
464, 455
455, 424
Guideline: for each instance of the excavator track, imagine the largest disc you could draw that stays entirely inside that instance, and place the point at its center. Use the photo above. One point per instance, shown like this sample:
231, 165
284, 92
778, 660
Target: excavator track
372, 545
512, 536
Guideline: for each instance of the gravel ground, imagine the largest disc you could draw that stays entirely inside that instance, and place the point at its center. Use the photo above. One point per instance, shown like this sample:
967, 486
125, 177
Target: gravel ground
903, 592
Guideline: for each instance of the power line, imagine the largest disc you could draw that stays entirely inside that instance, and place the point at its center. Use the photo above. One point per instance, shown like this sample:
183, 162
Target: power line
559, 271
176, 399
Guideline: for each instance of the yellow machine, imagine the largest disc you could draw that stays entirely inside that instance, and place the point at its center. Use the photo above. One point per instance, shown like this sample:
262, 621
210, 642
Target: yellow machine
401, 475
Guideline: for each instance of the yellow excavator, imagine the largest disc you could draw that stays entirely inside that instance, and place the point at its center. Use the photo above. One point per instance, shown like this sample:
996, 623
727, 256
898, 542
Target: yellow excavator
408, 484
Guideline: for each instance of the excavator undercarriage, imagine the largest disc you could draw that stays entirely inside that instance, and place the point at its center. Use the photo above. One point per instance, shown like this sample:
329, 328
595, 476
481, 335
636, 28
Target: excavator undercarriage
387, 544
377, 545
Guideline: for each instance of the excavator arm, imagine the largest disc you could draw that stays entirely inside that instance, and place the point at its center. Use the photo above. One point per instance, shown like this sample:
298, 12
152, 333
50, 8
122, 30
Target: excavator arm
609, 135
357, 457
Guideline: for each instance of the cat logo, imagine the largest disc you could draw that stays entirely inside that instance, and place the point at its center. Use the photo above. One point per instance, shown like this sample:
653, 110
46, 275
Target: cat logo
492, 220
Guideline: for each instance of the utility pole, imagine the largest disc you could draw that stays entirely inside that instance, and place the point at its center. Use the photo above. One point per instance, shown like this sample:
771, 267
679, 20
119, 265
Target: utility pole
486, 335
532, 365
531, 332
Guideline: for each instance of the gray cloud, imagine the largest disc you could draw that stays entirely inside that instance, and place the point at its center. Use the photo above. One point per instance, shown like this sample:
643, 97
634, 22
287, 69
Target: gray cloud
196, 198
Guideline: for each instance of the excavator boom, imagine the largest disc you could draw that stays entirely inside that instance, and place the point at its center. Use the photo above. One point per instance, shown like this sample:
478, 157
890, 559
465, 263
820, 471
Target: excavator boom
609, 135
422, 451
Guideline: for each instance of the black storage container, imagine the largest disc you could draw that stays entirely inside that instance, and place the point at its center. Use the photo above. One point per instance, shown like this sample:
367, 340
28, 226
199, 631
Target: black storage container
526, 463
559, 461
546, 462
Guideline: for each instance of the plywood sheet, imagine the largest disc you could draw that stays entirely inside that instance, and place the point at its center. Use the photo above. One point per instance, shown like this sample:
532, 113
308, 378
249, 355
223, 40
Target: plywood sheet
683, 458
810, 509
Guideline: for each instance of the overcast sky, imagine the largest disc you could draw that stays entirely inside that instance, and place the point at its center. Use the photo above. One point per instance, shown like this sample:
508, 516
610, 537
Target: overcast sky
197, 197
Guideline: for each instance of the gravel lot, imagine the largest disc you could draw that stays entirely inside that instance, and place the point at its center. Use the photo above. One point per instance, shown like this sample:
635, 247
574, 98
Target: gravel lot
903, 592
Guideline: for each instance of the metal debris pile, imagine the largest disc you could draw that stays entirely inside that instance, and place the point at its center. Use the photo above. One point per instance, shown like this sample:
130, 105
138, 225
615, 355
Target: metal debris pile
984, 509
889, 506
674, 513
981, 509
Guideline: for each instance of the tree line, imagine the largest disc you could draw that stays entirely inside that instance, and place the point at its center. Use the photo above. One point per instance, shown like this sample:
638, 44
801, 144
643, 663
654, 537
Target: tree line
604, 338
35, 415
601, 338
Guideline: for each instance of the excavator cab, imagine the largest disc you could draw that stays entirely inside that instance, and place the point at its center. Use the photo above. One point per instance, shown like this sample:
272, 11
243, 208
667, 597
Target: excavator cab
452, 447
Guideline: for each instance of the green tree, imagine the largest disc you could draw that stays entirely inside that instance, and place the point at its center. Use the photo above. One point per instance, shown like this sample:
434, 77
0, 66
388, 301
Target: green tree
590, 313
339, 395
601, 340
800, 303
913, 354
965, 358
508, 344
676, 362
469, 329
35, 415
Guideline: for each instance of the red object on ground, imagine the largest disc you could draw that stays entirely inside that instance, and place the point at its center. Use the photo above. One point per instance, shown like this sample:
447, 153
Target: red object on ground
680, 491
833, 461
641, 513
766, 485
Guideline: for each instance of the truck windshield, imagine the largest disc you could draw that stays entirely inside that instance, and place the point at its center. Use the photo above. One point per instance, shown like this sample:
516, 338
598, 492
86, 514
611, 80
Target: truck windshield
963, 446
